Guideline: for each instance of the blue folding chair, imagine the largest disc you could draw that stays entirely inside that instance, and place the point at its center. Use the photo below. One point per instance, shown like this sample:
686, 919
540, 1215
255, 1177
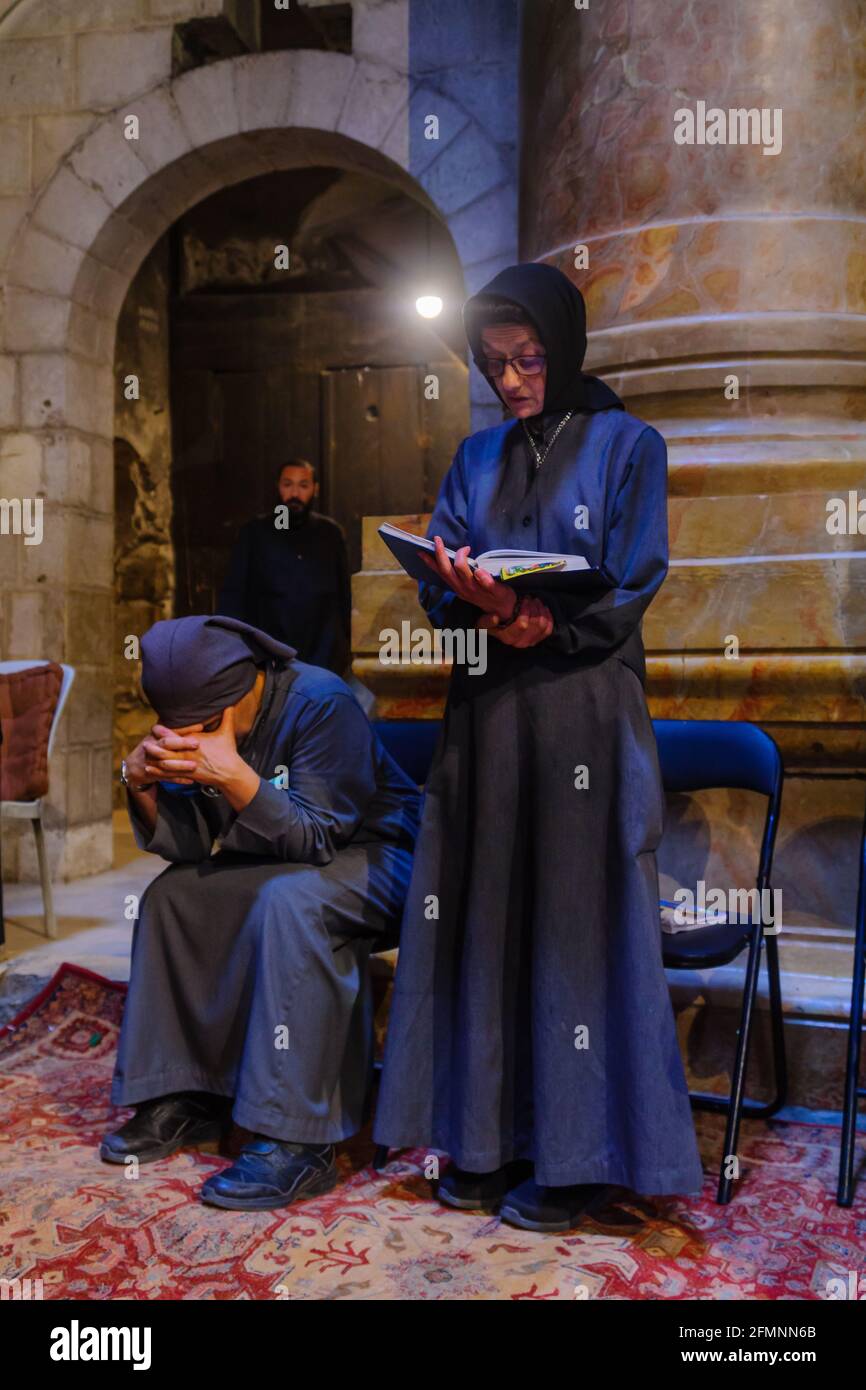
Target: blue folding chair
693, 754
697, 755
411, 743
853, 1090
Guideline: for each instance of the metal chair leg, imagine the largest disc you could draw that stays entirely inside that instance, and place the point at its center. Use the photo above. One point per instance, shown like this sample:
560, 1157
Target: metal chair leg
777, 1025
737, 1105
757, 1109
732, 1129
845, 1191
45, 879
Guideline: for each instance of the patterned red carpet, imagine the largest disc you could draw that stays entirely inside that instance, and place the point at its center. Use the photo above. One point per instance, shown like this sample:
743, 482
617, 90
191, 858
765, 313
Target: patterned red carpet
89, 1232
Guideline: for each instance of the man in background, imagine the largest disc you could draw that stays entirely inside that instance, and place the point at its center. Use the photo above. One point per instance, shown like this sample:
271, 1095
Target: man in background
293, 581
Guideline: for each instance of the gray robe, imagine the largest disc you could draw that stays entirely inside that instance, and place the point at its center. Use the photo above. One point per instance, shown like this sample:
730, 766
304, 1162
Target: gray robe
531, 1016
249, 966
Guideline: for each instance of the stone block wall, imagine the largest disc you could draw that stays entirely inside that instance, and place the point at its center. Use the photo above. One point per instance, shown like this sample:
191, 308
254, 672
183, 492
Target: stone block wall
62, 66
80, 209
144, 562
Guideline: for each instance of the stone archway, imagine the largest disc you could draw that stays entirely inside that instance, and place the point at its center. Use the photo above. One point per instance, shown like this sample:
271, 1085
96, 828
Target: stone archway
68, 273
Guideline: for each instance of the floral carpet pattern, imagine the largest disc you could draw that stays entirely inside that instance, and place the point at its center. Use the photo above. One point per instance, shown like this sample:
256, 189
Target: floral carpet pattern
89, 1231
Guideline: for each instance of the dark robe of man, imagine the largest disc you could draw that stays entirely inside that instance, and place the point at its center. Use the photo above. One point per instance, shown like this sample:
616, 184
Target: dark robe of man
531, 1016
249, 965
294, 584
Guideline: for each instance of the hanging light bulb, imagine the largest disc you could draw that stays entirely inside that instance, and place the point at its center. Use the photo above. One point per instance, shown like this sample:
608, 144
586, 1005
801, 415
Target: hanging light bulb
429, 306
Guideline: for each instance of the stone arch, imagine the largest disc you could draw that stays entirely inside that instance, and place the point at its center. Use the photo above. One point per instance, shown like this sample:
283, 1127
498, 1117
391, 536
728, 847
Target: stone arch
90, 228
111, 198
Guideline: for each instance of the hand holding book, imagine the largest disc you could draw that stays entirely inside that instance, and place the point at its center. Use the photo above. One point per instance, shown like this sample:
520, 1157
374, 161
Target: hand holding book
496, 600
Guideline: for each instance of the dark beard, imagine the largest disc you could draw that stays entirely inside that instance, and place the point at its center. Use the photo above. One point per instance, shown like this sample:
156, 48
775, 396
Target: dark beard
298, 514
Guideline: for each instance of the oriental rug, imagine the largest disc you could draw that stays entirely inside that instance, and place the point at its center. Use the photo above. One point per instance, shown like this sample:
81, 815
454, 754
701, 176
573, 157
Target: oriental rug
88, 1232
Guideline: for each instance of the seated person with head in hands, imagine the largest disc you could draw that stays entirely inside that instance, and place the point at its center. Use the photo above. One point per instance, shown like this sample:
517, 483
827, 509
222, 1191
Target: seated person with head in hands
290, 833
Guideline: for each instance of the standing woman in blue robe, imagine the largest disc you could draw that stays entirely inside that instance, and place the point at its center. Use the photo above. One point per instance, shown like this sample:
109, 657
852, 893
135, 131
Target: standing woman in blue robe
532, 1036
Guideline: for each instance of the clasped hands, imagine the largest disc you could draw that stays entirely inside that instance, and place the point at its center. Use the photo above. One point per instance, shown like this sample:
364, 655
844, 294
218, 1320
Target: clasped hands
193, 756
495, 599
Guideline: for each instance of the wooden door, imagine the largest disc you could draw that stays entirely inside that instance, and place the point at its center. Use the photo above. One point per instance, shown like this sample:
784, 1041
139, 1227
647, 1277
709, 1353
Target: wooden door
380, 447
231, 432
385, 445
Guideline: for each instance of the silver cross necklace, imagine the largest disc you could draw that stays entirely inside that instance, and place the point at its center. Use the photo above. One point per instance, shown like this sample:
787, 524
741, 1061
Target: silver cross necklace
539, 457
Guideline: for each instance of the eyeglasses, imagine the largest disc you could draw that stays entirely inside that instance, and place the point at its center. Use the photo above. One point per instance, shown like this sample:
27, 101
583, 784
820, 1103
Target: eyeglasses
525, 366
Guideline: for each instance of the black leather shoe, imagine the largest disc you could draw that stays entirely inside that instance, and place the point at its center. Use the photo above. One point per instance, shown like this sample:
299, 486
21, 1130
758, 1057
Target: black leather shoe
272, 1173
162, 1126
480, 1191
535, 1208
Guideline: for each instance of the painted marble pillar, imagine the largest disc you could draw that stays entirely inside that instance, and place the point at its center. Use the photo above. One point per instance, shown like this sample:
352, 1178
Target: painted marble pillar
726, 291
698, 169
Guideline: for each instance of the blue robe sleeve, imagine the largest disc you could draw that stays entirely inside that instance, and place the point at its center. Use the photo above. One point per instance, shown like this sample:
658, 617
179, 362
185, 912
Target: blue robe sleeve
635, 559
448, 520
181, 835
332, 779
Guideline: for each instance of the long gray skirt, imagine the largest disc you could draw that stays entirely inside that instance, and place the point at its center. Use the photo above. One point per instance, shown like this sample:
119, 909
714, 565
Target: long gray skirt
531, 1016
250, 979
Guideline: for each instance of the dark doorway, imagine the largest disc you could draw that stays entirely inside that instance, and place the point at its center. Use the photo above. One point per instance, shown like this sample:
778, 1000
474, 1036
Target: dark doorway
325, 360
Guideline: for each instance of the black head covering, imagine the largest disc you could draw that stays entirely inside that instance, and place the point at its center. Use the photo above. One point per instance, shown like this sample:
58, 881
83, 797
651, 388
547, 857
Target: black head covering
557, 309
193, 668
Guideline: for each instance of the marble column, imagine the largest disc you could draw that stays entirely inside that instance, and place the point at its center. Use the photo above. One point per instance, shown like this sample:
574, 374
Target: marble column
726, 293
725, 280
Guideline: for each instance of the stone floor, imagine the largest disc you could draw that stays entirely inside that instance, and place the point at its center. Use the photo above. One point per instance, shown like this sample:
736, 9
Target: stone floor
92, 929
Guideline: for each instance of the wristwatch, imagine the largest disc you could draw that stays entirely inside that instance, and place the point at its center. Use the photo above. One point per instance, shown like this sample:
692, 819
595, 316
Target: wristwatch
126, 782
518, 604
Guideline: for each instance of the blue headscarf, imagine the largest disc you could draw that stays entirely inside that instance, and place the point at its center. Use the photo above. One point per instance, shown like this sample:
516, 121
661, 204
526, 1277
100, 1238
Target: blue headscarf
193, 668
549, 300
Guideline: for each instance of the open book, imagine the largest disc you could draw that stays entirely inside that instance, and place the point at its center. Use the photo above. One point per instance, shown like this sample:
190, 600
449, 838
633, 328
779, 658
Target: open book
524, 569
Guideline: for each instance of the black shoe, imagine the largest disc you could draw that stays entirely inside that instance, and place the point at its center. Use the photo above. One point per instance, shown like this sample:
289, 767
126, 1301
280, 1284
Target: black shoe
480, 1191
272, 1173
535, 1208
162, 1126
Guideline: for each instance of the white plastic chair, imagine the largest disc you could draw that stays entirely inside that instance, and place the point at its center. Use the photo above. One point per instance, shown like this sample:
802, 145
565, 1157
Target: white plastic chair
32, 810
